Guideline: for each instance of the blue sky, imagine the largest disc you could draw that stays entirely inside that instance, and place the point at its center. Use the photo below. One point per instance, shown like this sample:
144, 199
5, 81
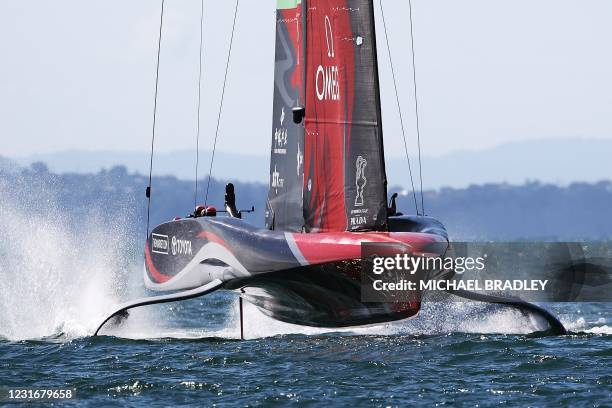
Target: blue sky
80, 74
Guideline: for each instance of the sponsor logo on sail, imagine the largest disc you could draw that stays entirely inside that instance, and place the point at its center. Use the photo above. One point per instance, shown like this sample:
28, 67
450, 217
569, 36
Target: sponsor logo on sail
281, 136
277, 180
360, 220
280, 139
359, 217
159, 244
326, 81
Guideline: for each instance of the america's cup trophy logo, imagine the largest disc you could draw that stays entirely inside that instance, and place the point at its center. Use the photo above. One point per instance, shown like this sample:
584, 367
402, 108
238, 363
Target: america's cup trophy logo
360, 180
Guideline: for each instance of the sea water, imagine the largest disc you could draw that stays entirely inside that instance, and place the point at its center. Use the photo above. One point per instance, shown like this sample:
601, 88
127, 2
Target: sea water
58, 281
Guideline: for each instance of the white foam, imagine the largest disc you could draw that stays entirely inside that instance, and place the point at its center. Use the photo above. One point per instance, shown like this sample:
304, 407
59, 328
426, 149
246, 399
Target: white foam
599, 330
57, 279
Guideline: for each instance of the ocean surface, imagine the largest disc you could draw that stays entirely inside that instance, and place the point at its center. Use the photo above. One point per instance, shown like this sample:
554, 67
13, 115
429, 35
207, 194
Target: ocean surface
189, 354
57, 283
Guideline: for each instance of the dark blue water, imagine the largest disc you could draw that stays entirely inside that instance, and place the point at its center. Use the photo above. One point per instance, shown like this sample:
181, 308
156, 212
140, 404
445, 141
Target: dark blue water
452, 353
57, 284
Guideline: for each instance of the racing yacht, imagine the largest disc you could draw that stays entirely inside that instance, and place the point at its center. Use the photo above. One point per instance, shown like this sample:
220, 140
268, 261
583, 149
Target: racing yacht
327, 194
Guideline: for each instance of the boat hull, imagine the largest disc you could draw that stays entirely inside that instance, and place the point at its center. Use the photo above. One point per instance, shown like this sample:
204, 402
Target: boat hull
305, 279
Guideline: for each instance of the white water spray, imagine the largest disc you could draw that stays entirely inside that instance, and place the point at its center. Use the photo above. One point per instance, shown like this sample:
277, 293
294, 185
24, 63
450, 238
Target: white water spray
57, 279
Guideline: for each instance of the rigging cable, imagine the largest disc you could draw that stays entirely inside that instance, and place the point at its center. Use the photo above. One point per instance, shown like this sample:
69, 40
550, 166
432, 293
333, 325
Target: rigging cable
399, 108
416, 103
195, 195
148, 191
229, 54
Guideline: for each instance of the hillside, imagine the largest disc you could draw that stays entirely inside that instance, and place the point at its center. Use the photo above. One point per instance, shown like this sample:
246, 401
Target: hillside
490, 211
557, 161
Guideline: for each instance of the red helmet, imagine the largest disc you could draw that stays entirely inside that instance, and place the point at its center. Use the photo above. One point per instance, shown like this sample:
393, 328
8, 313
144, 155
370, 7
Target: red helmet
199, 210
211, 211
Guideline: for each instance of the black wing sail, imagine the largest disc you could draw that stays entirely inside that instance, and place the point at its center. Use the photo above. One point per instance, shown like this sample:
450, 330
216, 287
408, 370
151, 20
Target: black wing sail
285, 210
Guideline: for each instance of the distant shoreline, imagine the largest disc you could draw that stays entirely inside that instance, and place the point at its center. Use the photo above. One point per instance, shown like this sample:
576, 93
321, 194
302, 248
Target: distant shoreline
556, 161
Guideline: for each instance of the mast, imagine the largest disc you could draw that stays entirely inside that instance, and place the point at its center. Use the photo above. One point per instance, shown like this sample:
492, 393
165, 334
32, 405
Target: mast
378, 102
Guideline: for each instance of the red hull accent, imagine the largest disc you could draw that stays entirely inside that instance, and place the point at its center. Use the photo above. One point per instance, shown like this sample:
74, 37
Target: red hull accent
156, 275
337, 246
